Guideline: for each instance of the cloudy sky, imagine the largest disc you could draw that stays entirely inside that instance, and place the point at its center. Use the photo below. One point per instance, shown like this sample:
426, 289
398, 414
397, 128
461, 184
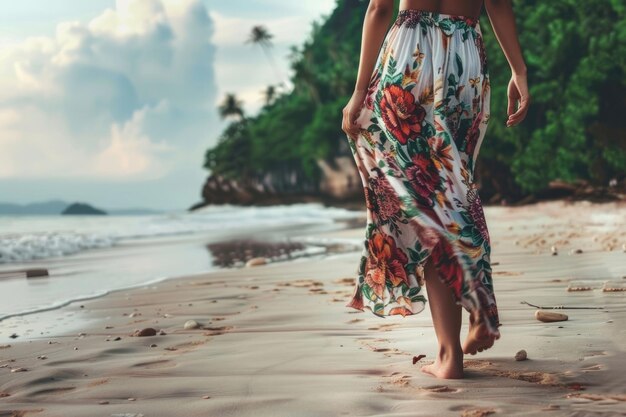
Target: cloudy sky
114, 102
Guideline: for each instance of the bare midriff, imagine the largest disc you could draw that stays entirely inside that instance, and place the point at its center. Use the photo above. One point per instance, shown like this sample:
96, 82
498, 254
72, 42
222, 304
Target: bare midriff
468, 8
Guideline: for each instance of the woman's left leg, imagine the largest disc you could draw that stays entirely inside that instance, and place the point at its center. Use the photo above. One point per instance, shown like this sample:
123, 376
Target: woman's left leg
447, 320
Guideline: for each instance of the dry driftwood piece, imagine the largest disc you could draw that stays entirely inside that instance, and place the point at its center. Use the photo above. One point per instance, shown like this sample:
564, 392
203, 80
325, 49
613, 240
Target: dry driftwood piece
549, 316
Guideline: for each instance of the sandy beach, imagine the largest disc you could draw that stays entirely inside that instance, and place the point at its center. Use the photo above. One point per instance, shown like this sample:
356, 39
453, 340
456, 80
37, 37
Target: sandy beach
277, 339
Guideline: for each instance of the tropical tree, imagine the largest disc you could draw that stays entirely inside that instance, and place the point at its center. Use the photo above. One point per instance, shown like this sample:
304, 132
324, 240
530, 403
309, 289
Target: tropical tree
269, 94
259, 35
231, 107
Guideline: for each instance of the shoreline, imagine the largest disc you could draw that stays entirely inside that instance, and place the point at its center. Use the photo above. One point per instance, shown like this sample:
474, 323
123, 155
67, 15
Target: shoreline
330, 247
273, 339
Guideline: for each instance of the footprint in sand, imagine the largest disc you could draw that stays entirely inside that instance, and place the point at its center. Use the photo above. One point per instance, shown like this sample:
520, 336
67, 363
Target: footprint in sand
596, 367
304, 283
507, 273
384, 327
471, 411
186, 347
20, 413
439, 388
214, 331
345, 281
49, 391
157, 364
598, 397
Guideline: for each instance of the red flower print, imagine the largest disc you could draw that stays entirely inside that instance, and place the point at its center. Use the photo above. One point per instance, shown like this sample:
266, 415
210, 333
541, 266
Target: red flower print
424, 177
403, 311
386, 262
357, 299
478, 40
401, 114
477, 213
472, 136
448, 266
383, 198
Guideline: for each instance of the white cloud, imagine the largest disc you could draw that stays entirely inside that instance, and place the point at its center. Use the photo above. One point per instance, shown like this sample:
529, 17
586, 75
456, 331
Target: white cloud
127, 95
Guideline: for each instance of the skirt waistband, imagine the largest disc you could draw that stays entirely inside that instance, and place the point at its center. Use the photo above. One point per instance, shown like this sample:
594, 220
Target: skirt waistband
412, 17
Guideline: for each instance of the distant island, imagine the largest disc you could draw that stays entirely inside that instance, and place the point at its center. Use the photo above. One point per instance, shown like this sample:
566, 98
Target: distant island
58, 207
82, 208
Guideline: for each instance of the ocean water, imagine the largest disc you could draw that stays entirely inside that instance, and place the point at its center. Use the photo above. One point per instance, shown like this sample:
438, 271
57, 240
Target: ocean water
89, 256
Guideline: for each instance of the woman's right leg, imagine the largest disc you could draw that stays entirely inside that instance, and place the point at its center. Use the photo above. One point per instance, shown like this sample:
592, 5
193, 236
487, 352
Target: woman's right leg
447, 321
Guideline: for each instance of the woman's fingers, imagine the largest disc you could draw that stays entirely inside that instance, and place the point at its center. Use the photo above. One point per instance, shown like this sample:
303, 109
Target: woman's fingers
520, 114
348, 124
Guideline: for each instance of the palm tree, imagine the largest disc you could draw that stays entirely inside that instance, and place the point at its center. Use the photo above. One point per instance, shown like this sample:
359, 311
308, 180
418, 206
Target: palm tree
269, 94
259, 35
231, 107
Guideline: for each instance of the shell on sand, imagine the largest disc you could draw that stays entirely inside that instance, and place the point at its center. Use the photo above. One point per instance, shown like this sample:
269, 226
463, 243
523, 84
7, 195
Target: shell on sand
549, 316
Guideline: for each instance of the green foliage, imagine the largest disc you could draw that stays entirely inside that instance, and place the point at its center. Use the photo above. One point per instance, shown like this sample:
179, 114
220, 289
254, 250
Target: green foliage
575, 56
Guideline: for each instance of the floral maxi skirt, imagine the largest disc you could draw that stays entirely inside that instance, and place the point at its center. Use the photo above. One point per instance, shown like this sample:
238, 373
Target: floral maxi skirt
420, 130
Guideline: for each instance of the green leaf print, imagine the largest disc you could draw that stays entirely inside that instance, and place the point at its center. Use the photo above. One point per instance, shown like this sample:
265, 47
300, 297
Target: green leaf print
413, 292
391, 65
379, 308
368, 294
452, 81
381, 163
419, 298
403, 155
467, 231
459, 65
373, 128
413, 254
446, 25
428, 130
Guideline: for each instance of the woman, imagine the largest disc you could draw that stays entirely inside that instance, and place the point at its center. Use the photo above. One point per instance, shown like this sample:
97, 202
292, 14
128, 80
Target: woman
415, 124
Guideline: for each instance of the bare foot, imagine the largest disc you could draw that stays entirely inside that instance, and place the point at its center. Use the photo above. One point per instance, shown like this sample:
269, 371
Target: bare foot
478, 338
446, 367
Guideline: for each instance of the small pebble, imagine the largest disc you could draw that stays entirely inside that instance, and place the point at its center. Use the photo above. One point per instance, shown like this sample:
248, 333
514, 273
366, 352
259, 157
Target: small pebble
148, 331
549, 316
521, 355
14, 336
131, 399
117, 338
153, 345
103, 402
42, 357
75, 348
14, 370
191, 324
162, 333
206, 397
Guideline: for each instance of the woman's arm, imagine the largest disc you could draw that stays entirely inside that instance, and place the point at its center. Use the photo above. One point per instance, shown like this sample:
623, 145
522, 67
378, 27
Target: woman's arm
503, 22
375, 25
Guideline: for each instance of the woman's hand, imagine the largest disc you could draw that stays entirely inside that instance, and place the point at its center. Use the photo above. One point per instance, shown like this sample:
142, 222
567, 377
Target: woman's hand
519, 99
351, 113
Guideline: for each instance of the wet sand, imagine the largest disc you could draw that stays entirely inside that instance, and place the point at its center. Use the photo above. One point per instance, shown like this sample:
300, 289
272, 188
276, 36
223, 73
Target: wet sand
277, 339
